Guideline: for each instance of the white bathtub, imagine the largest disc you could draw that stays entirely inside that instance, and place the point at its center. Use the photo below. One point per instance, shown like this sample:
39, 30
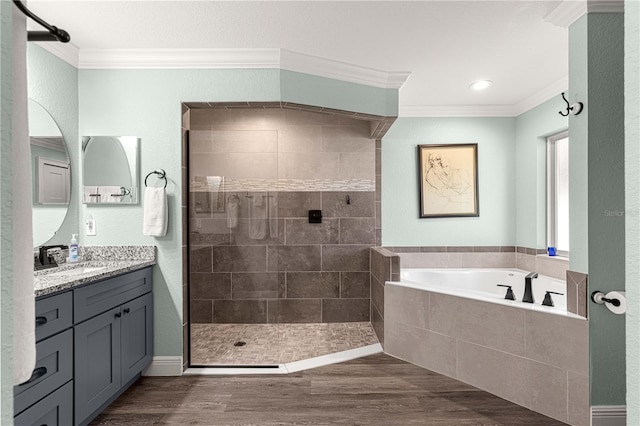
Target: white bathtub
481, 284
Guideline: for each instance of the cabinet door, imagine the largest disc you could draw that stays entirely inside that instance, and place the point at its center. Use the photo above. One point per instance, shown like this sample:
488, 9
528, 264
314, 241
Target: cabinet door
54, 410
97, 362
137, 336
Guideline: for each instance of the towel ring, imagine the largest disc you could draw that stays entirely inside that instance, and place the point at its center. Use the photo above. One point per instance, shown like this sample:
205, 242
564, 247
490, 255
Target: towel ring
161, 175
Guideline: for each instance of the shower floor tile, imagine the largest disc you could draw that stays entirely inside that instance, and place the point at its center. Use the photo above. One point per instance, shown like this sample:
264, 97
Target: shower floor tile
268, 344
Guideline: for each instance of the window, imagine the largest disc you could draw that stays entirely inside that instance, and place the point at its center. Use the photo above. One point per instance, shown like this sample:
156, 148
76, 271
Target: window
558, 192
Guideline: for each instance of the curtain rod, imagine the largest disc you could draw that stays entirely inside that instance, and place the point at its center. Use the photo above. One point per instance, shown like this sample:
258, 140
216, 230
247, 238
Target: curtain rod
54, 33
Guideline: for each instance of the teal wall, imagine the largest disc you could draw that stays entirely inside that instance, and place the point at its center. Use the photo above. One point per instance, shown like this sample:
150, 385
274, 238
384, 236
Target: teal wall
532, 129
597, 136
53, 83
496, 225
309, 89
147, 104
632, 207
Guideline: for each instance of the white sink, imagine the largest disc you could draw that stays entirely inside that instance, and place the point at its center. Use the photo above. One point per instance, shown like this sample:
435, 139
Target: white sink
78, 271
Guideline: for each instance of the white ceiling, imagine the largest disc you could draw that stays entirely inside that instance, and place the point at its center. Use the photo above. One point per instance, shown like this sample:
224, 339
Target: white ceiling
445, 45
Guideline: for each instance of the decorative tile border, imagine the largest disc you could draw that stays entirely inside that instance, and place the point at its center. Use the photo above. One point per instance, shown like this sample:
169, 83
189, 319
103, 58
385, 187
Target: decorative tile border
283, 185
453, 249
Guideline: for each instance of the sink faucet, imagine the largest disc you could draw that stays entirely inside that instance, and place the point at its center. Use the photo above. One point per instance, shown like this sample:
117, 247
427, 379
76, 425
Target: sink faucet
43, 260
528, 294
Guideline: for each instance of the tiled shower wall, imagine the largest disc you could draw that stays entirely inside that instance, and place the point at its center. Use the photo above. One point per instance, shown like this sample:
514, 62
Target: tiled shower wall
254, 175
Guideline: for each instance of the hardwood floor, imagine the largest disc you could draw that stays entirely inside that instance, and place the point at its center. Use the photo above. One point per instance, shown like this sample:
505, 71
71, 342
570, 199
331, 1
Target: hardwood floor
375, 390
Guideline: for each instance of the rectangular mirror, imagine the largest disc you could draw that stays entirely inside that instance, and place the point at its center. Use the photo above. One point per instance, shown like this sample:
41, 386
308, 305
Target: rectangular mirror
110, 169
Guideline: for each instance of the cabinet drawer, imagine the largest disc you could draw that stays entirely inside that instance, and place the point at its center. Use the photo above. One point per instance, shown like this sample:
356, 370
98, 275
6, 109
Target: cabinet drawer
96, 298
54, 410
54, 367
53, 314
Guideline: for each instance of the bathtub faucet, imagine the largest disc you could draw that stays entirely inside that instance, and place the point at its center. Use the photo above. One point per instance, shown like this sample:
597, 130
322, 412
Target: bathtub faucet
528, 294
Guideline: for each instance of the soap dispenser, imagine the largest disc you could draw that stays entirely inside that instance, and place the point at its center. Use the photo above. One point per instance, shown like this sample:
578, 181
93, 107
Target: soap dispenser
73, 248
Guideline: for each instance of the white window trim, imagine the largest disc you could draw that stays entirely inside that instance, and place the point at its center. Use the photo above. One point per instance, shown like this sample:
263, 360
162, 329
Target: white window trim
552, 224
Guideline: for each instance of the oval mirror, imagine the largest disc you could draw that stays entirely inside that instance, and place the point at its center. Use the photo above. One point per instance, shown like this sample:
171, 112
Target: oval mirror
51, 174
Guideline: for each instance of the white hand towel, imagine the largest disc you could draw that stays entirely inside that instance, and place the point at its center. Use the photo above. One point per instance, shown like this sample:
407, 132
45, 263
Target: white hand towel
156, 212
88, 197
257, 218
233, 208
110, 194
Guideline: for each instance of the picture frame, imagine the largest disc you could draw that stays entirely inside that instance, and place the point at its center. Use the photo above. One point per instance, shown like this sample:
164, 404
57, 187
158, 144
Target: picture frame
448, 180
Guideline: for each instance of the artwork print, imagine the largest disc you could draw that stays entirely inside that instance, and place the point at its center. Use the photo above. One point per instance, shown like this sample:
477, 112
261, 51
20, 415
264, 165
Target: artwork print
448, 180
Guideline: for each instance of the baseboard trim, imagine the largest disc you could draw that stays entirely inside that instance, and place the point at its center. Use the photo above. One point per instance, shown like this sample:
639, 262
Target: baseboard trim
609, 415
164, 366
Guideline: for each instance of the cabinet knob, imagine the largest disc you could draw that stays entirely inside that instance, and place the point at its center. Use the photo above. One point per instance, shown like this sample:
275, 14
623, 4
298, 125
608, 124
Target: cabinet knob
126, 310
41, 321
118, 315
37, 373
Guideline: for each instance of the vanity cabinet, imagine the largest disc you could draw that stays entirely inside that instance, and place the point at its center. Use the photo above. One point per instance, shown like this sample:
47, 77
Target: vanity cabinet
113, 343
92, 343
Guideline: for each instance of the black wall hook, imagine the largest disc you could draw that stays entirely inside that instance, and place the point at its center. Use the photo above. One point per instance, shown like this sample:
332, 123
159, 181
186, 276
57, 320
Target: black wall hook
574, 109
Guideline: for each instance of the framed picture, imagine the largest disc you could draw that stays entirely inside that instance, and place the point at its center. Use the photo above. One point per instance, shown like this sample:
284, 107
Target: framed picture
448, 180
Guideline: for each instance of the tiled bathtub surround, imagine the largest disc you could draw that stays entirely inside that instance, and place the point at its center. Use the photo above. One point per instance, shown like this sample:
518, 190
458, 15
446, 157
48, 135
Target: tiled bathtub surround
254, 258
577, 297
537, 360
385, 266
524, 258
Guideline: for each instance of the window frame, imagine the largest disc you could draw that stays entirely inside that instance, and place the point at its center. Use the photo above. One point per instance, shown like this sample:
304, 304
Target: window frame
551, 191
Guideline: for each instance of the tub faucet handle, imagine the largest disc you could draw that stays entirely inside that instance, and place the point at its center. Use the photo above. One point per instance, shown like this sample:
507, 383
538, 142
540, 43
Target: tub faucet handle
547, 298
509, 295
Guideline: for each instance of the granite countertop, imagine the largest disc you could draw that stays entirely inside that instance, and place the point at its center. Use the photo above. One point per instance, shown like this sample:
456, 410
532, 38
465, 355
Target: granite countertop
99, 263
68, 276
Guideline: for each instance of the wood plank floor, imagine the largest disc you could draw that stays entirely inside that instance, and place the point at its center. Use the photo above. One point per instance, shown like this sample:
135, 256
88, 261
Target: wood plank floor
375, 390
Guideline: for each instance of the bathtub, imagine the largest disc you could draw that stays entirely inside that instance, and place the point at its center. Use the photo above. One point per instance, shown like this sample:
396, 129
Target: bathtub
456, 322
481, 284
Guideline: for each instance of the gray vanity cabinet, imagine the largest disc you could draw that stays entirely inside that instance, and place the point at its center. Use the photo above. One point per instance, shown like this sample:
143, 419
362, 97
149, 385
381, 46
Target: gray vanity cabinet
93, 342
112, 347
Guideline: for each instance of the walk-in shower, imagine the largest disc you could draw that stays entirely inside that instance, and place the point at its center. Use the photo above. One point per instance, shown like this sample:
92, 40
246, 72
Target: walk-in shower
268, 284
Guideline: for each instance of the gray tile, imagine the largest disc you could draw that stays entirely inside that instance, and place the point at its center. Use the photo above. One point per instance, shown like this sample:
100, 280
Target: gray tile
299, 310
298, 204
240, 311
300, 231
488, 260
264, 231
377, 322
210, 285
345, 310
537, 386
209, 232
308, 165
239, 258
357, 231
572, 294
525, 262
577, 290
200, 259
377, 296
345, 258
201, 311
545, 331
426, 349
486, 249
334, 204
578, 395
313, 285
254, 285
378, 260
406, 305
354, 284
488, 324
552, 267
459, 249
295, 258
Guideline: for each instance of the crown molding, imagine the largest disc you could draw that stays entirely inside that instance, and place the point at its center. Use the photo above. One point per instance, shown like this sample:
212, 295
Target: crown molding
541, 96
68, 52
308, 64
569, 11
178, 58
455, 111
238, 58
